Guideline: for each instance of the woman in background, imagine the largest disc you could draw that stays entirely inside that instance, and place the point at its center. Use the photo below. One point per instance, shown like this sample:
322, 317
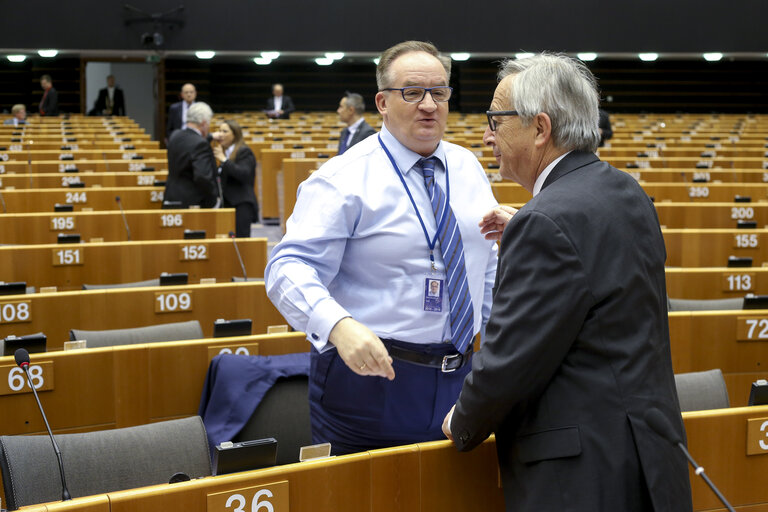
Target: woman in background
237, 172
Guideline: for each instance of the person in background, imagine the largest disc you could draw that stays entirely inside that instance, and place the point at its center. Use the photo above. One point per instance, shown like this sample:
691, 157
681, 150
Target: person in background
19, 113
191, 165
237, 174
351, 108
49, 104
111, 100
604, 124
577, 345
177, 113
279, 106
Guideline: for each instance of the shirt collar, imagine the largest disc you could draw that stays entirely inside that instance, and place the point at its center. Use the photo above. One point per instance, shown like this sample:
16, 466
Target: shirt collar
404, 157
194, 130
543, 176
228, 151
355, 126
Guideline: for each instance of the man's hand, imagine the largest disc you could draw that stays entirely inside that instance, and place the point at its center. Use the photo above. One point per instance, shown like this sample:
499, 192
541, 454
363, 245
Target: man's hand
447, 424
361, 350
494, 222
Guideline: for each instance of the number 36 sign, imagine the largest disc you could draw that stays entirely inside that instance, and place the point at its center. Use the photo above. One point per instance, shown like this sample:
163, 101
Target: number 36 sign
262, 498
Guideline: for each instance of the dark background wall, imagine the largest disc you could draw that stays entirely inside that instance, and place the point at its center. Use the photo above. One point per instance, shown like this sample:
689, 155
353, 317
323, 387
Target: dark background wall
345, 25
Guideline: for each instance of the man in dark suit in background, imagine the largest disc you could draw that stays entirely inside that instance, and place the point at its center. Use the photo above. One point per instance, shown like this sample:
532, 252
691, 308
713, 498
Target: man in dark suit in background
111, 100
177, 113
351, 108
279, 106
191, 166
49, 104
577, 344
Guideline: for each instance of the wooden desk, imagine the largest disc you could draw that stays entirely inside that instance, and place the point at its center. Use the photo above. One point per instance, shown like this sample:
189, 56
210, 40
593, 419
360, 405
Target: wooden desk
97, 198
687, 215
69, 267
56, 313
43, 228
271, 163
90, 179
100, 165
295, 170
711, 247
716, 283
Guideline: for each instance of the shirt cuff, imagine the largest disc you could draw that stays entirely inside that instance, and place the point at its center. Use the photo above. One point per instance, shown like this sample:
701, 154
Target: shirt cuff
324, 317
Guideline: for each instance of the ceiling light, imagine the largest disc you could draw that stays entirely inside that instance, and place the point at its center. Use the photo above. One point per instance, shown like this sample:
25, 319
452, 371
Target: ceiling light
262, 61
334, 55
648, 57
270, 55
587, 57
713, 57
17, 58
48, 53
207, 54
377, 59
523, 55
324, 61
460, 56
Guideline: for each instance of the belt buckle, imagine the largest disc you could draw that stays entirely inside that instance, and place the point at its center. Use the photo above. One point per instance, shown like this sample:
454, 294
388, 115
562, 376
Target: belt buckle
446, 360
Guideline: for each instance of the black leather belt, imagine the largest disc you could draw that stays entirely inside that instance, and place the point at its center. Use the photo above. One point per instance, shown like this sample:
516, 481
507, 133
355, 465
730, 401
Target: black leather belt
446, 363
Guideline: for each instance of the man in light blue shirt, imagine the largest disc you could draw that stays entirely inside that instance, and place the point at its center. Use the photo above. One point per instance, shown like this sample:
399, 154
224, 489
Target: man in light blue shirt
355, 269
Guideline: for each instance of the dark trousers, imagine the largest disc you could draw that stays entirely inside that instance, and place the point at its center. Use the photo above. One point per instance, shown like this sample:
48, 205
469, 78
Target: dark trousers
245, 214
356, 413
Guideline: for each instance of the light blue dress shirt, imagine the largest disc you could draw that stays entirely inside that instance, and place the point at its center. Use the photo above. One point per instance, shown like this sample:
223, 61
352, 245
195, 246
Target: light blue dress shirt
354, 245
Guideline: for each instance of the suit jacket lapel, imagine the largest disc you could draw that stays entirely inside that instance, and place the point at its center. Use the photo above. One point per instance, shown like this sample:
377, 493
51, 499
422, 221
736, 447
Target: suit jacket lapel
572, 161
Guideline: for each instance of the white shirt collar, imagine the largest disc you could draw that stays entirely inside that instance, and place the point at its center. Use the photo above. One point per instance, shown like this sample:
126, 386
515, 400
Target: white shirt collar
404, 157
228, 151
543, 176
355, 126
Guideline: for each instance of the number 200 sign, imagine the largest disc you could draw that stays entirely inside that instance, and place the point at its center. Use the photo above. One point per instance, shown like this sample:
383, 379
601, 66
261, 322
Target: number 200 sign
263, 498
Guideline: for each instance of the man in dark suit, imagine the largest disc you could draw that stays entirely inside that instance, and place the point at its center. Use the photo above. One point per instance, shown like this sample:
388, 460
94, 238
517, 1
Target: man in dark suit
191, 166
177, 113
49, 104
279, 106
577, 347
111, 100
351, 108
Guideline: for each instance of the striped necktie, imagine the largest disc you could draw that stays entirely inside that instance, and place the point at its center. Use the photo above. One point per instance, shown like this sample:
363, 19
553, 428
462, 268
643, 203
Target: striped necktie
462, 313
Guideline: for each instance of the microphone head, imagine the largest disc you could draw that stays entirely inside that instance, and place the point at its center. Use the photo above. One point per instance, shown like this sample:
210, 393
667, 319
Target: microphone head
117, 198
231, 234
22, 357
661, 425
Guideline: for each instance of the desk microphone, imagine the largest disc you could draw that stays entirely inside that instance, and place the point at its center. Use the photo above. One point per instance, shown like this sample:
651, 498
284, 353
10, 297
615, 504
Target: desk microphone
2, 200
660, 424
22, 359
242, 267
125, 221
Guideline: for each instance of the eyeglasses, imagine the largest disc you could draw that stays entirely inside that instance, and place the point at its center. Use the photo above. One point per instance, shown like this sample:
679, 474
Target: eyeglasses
492, 124
417, 94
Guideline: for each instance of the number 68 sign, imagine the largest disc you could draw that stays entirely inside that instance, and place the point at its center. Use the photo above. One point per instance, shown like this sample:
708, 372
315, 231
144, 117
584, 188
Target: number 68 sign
262, 498
13, 379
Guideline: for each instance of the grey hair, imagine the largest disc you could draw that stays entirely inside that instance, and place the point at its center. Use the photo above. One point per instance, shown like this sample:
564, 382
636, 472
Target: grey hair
199, 113
383, 78
563, 88
355, 101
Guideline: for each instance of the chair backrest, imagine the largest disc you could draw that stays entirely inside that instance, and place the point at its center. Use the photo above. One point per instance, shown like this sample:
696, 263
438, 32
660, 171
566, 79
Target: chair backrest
705, 305
102, 461
283, 414
136, 284
699, 391
176, 331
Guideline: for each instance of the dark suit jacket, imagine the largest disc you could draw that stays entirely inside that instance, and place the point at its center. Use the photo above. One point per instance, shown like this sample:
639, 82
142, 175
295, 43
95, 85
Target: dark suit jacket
118, 109
191, 170
237, 178
174, 119
287, 106
604, 123
50, 106
363, 131
577, 350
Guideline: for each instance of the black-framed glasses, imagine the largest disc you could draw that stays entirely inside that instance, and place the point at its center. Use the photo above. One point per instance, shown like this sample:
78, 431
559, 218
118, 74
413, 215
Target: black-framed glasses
416, 94
493, 113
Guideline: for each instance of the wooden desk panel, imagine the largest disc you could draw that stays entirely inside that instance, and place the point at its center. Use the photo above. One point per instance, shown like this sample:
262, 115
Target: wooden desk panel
125, 262
103, 179
712, 247
99, 199
716, 283
99, 165
271, 161
43, 228
56, 313
295, 171
685, 215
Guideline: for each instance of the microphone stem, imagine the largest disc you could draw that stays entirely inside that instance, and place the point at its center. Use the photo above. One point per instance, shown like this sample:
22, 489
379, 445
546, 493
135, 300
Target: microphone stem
64, 491
700, 471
